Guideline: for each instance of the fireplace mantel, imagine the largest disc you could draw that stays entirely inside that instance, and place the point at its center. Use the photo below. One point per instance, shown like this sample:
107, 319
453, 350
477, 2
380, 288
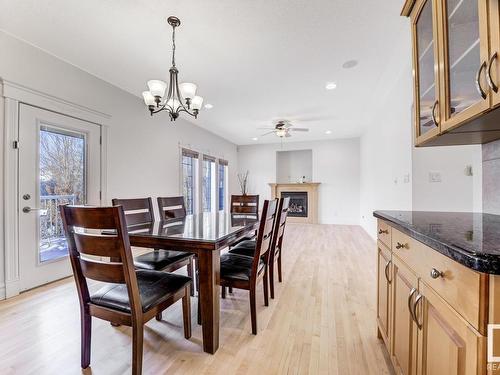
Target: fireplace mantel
311, 188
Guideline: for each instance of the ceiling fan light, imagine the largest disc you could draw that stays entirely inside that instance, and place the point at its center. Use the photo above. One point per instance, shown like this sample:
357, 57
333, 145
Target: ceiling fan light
157, 87
188, 90
197, 102
149, 98
281, 132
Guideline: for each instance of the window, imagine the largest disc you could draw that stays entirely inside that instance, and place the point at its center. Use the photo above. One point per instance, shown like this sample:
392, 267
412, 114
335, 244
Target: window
189, 169
208, 185
204, 182
222, 184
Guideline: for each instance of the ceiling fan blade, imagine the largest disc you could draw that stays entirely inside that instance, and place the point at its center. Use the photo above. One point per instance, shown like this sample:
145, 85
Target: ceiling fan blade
271, 132
300, 129
266, 127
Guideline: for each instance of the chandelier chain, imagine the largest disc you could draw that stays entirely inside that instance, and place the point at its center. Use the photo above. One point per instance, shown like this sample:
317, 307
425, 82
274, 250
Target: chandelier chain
173, 46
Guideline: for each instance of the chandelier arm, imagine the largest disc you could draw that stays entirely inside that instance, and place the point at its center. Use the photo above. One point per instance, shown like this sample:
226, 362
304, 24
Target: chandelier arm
179, 96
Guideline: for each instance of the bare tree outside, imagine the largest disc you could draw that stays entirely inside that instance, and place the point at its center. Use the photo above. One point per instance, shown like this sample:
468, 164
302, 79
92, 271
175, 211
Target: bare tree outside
62, 181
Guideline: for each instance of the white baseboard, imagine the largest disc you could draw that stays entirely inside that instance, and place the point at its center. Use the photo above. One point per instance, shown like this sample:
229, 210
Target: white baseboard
2, 292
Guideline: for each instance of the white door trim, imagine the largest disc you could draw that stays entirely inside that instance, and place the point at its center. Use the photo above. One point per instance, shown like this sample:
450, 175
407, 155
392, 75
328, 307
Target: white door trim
13, 95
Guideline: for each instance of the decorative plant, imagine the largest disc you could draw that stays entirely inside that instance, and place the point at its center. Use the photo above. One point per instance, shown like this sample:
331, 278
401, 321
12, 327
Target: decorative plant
243, 181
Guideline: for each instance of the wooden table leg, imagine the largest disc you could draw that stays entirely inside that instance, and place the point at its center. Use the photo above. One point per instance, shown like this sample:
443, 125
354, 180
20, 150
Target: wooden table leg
209, 265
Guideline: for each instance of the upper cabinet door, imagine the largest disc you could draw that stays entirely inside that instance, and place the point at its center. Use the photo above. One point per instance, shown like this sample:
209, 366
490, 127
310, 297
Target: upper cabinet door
464, 52
493, 68
425, 70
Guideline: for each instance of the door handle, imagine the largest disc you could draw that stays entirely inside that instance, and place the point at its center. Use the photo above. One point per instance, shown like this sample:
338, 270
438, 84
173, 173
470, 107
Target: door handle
410, 296
417, 300
386, 272
433, 113
27, 209
492, 84
478, 80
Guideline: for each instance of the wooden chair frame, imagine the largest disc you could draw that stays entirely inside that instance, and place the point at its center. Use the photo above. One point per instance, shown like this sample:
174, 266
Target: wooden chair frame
277, 244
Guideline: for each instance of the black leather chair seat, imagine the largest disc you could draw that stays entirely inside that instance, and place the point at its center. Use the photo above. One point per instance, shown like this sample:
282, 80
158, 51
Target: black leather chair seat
237, 267
246, 248
154, 288
159, 259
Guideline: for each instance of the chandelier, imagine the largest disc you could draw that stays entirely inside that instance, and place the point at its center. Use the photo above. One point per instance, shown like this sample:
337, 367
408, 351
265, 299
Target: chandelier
180, 97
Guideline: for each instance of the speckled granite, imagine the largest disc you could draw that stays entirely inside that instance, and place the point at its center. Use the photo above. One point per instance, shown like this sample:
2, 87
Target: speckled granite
471, 239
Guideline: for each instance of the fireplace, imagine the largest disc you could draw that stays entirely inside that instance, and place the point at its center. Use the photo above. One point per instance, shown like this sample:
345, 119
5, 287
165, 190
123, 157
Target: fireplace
304, 200
298, 203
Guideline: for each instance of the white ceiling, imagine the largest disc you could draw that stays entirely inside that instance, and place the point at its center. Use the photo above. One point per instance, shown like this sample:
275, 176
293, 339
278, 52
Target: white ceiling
254, 60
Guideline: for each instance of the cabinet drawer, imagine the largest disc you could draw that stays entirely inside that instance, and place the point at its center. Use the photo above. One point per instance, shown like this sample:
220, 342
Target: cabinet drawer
384, 233
462, 288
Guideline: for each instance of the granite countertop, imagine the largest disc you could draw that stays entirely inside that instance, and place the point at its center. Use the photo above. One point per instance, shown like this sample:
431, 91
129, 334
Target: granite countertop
471, 239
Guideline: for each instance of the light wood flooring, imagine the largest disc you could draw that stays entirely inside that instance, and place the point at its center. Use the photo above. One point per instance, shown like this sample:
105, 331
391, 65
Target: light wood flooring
321, 322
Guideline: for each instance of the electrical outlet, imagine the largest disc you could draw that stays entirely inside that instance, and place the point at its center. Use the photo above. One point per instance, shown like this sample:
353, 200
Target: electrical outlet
434, 176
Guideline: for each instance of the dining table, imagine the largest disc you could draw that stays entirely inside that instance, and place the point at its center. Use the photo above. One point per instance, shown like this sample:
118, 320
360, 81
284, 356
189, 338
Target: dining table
205, 235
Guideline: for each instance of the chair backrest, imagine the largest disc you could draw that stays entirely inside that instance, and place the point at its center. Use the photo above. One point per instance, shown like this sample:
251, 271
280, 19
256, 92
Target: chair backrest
279, 227
171, 208
100, 232
265, 234
137, 210
244, 204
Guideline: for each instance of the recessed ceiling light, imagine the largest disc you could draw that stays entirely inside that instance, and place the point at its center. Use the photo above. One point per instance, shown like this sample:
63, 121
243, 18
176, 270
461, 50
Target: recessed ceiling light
330, 85
328, 132
208, 106
255, 139
350, 64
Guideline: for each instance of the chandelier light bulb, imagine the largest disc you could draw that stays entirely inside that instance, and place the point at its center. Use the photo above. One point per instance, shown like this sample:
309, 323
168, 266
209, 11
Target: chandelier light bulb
197, 103
149, 98
188, 90
157, 87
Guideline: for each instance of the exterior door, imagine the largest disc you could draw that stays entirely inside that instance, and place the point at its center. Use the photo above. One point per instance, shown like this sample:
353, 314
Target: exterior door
448, 345
404, 329
465, 93
59, 163
383, 293
425, 70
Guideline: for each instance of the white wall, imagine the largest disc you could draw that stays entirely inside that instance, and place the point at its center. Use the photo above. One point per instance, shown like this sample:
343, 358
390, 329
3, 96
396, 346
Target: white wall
386, 144
335, 164
143, 151
292, 165
456, 191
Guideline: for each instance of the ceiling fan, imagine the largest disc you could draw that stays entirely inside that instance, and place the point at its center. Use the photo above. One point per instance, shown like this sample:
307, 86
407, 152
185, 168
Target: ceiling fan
283, 129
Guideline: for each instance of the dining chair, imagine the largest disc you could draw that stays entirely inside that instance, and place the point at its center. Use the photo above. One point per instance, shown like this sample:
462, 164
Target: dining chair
140, 211
244, 204
244, 272
247, 247
126, 297
175, 208
171, 208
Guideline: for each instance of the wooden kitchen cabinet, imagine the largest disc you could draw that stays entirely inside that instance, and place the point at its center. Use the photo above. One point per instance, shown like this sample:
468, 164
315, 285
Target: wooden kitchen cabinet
384, 272
404, 330
447, 344
455, 70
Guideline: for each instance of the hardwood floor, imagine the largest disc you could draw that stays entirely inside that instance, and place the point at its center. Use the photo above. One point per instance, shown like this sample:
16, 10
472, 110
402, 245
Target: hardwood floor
321, 322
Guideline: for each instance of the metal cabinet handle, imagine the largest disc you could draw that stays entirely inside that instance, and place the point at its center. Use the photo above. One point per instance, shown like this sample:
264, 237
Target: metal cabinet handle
417, 300
436, 274
29, 209
383, 231
492, 84
433, 113
410, 297
399, 245
386, 271
478, 80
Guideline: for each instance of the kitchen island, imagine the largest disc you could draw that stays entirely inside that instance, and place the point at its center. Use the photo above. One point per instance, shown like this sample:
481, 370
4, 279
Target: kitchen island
438, 290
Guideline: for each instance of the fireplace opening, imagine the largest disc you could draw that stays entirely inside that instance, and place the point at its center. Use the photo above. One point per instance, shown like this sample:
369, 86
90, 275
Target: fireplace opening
298, 203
